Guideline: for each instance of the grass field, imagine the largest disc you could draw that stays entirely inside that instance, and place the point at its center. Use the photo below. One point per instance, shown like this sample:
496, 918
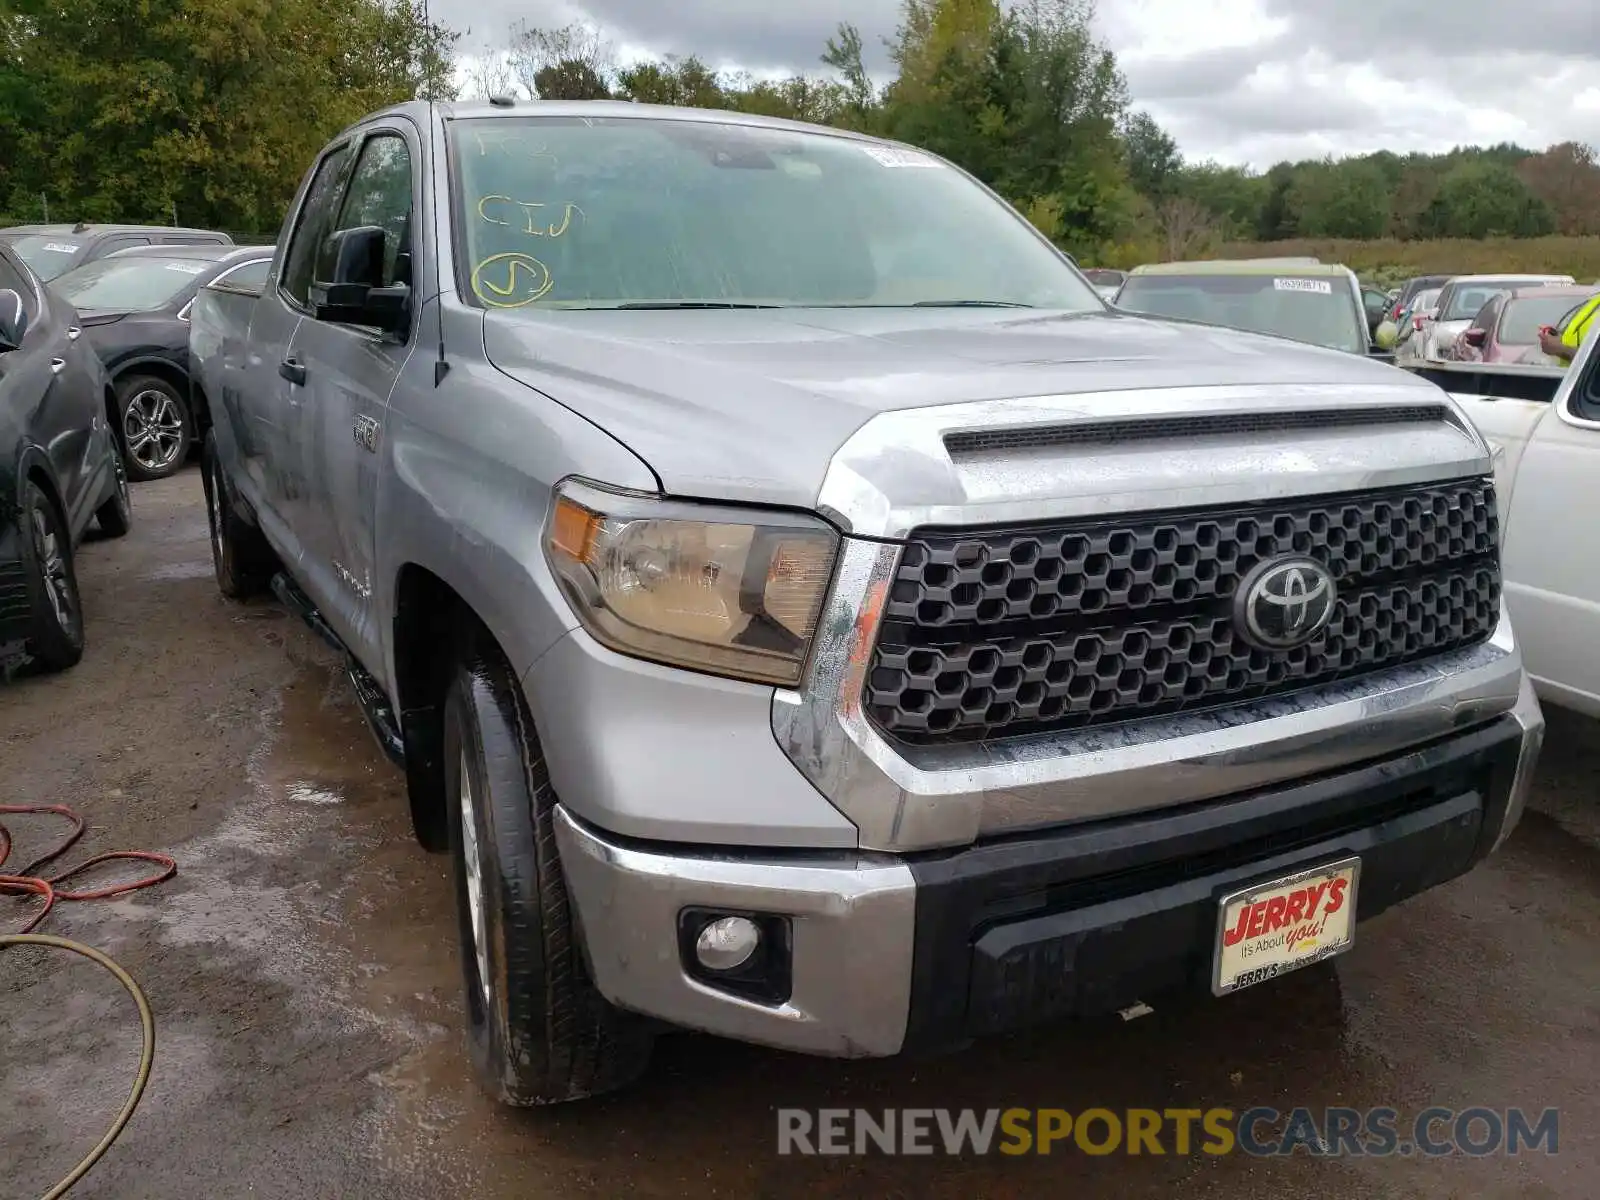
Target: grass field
1388, 261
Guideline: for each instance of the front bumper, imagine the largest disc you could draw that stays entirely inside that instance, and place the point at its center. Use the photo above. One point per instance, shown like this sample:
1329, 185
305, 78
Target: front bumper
926, 950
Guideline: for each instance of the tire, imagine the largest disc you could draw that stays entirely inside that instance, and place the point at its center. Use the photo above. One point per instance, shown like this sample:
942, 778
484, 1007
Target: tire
154, 427
243, 561
115, 516
539, 1033
55, 630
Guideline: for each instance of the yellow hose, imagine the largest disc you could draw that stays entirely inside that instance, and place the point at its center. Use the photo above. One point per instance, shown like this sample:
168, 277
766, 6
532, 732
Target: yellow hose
147, 1023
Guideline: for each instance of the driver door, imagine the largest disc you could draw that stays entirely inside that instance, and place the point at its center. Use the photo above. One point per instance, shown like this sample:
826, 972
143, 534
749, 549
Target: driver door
350, 372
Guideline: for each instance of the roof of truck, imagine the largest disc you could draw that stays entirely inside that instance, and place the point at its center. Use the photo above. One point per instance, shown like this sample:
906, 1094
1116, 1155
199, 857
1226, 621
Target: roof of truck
454, 110
1306, 267
86, 228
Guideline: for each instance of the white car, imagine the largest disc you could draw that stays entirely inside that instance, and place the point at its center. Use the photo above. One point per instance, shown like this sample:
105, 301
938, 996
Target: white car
1547, 477
1459, 301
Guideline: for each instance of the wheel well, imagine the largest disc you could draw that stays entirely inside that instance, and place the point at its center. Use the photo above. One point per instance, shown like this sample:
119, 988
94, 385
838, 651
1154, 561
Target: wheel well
431, 621
41, 477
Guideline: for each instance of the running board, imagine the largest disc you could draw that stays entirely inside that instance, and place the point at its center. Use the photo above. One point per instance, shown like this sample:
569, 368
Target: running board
370, 696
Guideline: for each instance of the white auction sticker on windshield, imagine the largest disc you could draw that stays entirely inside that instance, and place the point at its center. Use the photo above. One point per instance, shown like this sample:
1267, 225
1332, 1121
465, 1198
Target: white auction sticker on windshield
186, 268
1322, 286
893, 156
61, 247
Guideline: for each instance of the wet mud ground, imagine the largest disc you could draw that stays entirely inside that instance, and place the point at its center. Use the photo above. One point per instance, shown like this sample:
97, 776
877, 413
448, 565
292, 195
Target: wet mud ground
303, 970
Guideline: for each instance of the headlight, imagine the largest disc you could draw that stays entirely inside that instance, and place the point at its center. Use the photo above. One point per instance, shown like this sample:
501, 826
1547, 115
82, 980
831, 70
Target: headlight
722, 590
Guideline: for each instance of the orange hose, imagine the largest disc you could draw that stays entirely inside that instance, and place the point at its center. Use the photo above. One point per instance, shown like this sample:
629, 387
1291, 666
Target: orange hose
28, 881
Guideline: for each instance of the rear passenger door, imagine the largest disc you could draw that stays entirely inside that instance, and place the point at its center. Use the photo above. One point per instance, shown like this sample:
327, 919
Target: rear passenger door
272, 386
50, 401
351, 372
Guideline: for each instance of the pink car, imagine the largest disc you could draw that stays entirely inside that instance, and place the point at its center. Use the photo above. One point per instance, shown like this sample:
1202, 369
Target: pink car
1507, 327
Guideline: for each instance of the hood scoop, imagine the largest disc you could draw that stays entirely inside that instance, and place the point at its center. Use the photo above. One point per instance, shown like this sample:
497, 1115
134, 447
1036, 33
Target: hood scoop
968, 442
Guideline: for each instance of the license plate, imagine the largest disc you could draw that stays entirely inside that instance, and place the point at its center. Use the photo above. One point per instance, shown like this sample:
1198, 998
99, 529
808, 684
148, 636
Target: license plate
1272, 928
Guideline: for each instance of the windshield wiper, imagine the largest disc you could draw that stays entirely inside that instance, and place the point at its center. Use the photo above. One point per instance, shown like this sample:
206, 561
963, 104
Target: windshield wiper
969, 304
691, 304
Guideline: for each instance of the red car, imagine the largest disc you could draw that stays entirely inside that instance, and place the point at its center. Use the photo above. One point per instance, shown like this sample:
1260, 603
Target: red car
1507, 327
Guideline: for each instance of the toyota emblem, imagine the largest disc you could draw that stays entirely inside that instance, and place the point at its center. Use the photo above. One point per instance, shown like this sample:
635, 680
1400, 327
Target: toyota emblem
1283, 603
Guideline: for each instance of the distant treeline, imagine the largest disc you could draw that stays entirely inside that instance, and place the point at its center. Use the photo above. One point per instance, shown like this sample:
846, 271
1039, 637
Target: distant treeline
212, 109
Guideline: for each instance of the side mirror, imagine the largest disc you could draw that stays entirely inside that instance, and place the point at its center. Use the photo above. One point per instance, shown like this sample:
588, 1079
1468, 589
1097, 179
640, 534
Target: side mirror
1475, 337
355, 295
13, 320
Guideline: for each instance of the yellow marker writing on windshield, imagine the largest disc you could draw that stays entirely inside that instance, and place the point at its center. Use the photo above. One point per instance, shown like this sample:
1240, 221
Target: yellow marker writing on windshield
485, 216
510, 280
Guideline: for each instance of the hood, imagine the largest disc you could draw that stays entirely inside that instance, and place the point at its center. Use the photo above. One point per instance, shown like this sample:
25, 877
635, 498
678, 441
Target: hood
751, 405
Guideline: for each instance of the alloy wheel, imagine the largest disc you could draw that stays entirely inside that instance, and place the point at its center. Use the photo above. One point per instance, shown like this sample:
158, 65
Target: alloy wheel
152, 429
472, 860
53, 567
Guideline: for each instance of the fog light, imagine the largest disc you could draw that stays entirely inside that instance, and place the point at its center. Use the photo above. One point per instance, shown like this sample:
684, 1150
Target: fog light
727, 943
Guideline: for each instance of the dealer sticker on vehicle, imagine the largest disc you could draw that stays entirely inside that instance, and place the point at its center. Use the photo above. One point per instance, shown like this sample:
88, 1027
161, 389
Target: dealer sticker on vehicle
1321, 286
1272, 928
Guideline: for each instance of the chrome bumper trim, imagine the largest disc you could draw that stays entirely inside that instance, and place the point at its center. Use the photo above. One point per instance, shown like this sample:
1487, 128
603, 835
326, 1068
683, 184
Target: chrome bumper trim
853, 920
904, 799
1530, 716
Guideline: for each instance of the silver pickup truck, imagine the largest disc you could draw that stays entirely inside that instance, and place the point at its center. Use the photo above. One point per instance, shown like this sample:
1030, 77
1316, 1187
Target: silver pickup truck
809, 615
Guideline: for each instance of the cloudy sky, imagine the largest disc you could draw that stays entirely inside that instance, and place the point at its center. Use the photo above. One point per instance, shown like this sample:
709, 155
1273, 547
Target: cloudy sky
1240, 81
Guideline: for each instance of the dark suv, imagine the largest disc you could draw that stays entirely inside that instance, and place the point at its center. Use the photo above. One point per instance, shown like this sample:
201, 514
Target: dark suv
51, 250
59, 467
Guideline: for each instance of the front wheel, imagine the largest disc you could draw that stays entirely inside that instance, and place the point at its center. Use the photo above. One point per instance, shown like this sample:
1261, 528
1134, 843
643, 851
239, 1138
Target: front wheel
55, 631
156, 426
537, 1029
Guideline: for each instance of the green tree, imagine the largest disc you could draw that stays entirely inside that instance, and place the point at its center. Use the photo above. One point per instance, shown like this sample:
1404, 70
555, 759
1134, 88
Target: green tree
1347, 199
1153, 158
121, 111
1485, 198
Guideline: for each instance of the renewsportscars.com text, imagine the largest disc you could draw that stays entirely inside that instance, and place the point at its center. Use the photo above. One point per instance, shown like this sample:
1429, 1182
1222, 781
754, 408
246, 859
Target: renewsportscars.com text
1258, 1132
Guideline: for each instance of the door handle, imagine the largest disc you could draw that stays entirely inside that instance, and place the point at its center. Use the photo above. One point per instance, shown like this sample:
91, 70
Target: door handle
293, 370
73, 333
58, 365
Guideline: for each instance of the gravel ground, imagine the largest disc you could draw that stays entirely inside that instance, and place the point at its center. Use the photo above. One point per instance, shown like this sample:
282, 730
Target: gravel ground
303, 970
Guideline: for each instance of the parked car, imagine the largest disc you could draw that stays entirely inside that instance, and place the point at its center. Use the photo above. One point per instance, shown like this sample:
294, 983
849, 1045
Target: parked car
1544, 422
1407, 299
134, 308
59, 468
1311, 302
1375, 303
799, 633
1412, 321
1507, 327
1459, 301
53, 250
1106, 281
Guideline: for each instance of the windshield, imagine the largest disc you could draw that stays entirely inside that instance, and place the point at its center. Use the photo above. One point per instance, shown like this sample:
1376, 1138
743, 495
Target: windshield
1317, 310
47, 255
1523, 318
128, 284
602, 212
1467, 299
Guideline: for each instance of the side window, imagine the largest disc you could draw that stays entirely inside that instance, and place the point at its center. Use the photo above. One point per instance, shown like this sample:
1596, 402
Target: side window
1585, 403
112, 245
312, 225
380, 194
251, 277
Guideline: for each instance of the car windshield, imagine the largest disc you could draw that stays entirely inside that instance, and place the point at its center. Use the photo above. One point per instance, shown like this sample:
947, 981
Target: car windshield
1317, 309
601, 212
1467, 298
128, 284
47, 255
1520, 324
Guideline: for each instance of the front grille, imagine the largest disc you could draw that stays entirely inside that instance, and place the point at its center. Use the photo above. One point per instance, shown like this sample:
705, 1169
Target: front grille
1004, 632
